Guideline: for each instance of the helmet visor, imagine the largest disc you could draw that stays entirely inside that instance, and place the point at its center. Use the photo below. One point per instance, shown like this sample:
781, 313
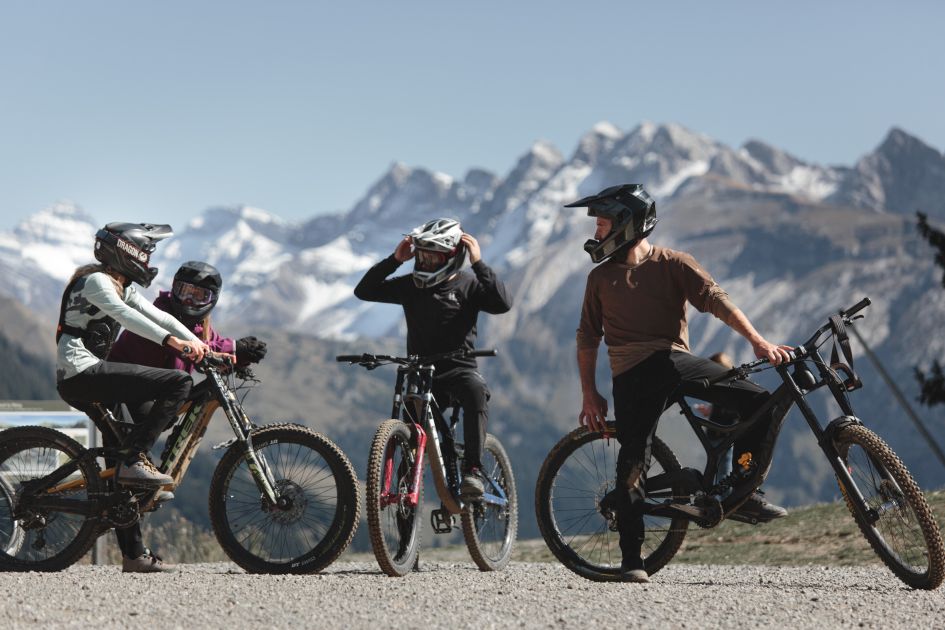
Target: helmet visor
191, 294
427, 260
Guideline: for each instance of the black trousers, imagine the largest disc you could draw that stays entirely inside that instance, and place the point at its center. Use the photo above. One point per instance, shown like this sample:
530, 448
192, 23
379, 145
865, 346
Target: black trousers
467, 388
110, 383
641, 394
158, 392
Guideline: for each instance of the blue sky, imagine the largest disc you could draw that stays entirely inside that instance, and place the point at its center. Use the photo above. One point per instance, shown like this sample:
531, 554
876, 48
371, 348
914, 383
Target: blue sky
158, 110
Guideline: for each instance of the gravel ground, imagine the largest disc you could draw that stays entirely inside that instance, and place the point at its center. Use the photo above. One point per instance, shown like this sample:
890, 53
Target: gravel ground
455, 595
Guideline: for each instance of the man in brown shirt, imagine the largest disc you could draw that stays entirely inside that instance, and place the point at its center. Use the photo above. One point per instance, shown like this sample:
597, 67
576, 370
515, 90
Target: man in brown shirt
636, 301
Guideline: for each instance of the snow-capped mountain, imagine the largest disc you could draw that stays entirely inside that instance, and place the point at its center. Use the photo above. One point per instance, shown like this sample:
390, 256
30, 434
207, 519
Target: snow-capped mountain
791, 241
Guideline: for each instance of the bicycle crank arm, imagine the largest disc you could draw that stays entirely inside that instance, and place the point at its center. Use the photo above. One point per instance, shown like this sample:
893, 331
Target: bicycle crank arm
668, 509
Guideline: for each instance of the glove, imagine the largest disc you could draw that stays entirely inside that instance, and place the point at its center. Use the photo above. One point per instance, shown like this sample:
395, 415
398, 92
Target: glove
250, 350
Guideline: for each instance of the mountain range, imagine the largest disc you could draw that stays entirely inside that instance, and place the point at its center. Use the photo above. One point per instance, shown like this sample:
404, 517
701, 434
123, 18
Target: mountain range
791, 241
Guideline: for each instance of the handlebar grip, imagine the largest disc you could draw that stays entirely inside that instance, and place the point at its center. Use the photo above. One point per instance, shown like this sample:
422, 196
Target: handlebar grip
349, 358
483, 353
856, 308
215, 361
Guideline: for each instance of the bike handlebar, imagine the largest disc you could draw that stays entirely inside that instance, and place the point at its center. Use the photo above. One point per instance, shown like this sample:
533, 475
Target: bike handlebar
377, 359
856, 308
742, 371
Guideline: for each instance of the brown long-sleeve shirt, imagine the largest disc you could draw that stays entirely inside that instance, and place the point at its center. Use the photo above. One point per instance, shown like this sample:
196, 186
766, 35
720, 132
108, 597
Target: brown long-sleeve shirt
638, 311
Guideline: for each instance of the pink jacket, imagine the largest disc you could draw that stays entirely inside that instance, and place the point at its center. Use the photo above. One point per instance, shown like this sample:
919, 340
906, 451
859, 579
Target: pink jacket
131, 348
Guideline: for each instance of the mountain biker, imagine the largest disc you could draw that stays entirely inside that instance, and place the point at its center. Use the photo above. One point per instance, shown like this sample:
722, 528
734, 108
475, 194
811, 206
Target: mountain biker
194, 294
441, 306
636, 301
97, 300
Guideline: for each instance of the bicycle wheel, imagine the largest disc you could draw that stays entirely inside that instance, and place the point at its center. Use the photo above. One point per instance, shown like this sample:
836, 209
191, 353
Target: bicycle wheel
577, 473
393, 523
490, 529
899, 524
43, 539
321, 502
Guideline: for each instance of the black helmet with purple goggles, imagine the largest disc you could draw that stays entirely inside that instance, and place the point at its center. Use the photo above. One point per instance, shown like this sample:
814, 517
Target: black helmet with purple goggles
195, 291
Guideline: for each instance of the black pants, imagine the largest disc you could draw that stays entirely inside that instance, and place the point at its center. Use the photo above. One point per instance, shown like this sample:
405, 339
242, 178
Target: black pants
469, 390
110, 383
137, 386
641, 394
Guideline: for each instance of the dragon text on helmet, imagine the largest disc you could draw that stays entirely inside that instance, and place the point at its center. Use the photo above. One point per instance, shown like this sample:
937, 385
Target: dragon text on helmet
132, 250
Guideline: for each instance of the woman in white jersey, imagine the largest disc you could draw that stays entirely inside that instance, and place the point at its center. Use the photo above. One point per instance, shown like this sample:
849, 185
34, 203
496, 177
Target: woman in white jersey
98, 299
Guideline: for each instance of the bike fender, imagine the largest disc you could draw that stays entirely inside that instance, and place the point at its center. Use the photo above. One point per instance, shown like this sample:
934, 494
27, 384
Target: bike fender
838, 424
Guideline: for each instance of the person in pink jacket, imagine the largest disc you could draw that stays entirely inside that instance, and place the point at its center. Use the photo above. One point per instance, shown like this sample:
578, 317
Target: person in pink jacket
192, 297
194, 293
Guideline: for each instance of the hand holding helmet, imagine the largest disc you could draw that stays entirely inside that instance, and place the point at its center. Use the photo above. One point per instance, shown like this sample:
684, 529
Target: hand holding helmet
472, 247
438, 250
404, 250
250, 350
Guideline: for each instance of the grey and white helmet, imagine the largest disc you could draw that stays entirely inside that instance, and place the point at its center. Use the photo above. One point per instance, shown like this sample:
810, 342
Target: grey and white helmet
438, 252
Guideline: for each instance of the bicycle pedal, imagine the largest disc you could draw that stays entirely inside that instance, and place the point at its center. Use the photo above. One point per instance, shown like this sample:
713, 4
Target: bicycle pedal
441, 521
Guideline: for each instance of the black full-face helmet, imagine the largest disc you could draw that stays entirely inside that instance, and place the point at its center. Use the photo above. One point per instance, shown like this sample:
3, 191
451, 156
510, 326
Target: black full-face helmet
127, 248
195, 291
632, 211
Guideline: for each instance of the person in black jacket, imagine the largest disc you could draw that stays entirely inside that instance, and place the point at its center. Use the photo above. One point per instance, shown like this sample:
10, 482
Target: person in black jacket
441, 305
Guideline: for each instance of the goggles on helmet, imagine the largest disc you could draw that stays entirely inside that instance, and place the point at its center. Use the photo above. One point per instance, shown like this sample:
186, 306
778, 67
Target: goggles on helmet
192, 294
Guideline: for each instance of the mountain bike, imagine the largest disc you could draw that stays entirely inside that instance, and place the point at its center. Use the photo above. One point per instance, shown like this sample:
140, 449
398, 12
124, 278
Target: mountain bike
283, 498
395, 473
878, 490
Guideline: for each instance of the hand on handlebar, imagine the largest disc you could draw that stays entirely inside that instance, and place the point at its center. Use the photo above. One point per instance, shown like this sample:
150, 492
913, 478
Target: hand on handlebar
776, 354
193, 350
593, 412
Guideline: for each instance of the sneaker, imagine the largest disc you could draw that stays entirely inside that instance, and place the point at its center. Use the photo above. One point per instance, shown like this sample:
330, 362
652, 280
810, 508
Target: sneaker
163, 496
635, 576
472, 486
146, 563
141, 472
756, 509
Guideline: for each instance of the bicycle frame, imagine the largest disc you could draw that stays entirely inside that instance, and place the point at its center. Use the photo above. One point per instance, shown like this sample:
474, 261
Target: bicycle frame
414, 404
196, 413
795, 387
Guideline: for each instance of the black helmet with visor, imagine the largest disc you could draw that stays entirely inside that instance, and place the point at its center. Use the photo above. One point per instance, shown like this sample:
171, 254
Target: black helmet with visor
127, 248
195, 291
632, 211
